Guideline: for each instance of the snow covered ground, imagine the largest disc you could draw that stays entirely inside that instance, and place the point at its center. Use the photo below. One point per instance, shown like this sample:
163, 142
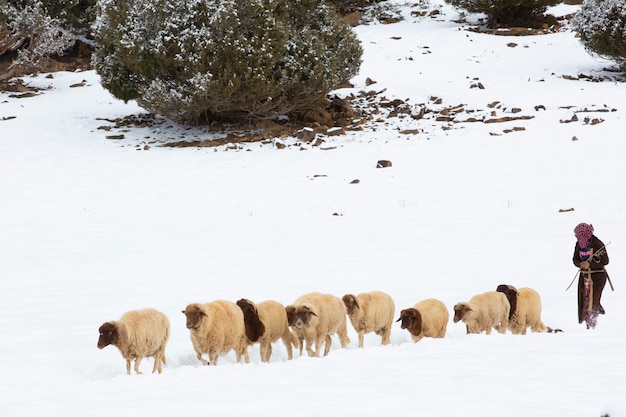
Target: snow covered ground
92, 227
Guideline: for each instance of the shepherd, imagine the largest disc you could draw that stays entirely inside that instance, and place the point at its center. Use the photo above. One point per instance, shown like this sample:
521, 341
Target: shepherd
591, 257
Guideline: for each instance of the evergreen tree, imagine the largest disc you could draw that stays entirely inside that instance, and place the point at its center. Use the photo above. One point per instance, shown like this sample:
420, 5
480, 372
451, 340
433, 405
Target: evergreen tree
525, 13
196, 60
601, 25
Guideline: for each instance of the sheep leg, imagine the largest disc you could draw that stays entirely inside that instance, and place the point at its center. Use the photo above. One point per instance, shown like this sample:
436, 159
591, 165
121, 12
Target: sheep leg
137, 362
327, 343
300, 344
201, 359
213, 355
361, 339
309, 348
287, 342
266, 351
159, 360
157, 363
243, 352
127, 366
385, 333
343, 336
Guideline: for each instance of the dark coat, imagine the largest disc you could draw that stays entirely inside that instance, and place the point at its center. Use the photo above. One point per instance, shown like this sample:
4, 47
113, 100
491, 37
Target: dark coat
598, 275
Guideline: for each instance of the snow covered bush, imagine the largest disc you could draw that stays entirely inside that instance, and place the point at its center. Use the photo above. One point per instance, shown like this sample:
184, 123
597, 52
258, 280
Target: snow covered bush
525, 13
30, 35
601, 25
202, 60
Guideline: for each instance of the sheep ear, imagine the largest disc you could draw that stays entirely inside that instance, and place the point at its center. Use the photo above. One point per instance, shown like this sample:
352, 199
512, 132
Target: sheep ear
351, 302
399, 319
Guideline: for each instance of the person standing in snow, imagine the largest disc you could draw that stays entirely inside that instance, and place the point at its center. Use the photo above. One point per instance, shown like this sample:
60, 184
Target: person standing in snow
590, 256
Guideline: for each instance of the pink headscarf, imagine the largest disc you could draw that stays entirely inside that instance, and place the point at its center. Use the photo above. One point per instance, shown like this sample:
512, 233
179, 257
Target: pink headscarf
583, 233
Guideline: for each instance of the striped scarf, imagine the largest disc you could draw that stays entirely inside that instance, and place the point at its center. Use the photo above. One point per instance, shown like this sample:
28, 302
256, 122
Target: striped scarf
584, 232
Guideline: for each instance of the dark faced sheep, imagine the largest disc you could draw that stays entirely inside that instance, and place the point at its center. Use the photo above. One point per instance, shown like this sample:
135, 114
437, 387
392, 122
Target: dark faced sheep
314, 317
484, 312
216, 328
138, 334
265, 323
525, 309
371, 312
428, 318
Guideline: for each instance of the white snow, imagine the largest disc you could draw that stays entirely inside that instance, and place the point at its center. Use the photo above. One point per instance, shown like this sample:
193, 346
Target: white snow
92, 227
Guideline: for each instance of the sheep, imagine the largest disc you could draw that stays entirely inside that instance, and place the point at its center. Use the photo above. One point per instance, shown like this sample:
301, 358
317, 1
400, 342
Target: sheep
525, 310
266, 322
216, 328
138, 334
371, 312
484, 312
428, 318
314, 318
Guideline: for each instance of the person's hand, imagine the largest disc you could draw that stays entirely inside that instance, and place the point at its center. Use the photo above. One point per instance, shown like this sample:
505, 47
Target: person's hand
584, 265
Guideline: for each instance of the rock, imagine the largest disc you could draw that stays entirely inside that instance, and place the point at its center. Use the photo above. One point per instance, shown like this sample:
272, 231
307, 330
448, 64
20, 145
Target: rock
306, 135
383, 163
336, 131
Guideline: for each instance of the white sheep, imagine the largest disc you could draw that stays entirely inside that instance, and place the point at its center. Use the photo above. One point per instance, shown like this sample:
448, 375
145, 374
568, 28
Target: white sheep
216, 328
266, 322
314, 318
525, 310
428, 318
484, 312
371, 312
138, 334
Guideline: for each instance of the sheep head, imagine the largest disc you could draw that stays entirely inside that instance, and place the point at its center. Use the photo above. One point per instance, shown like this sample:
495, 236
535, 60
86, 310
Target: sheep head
411, 319
194, 315
351, 302
299, 316
109, 335
511, 294
460, 311
253, 324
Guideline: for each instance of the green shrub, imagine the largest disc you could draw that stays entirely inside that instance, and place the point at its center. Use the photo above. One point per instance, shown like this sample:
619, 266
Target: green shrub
525, 13
203, 60
601, 25
74, 15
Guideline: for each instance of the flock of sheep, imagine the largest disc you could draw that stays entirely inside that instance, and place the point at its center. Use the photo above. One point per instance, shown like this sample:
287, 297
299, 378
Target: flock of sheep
309, 322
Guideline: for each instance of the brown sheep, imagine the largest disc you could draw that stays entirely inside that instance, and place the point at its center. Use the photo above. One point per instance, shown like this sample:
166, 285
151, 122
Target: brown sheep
428, 318
371, 312
216, 328
314, 318
266, 322
525, 310
484, 312
138, 334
